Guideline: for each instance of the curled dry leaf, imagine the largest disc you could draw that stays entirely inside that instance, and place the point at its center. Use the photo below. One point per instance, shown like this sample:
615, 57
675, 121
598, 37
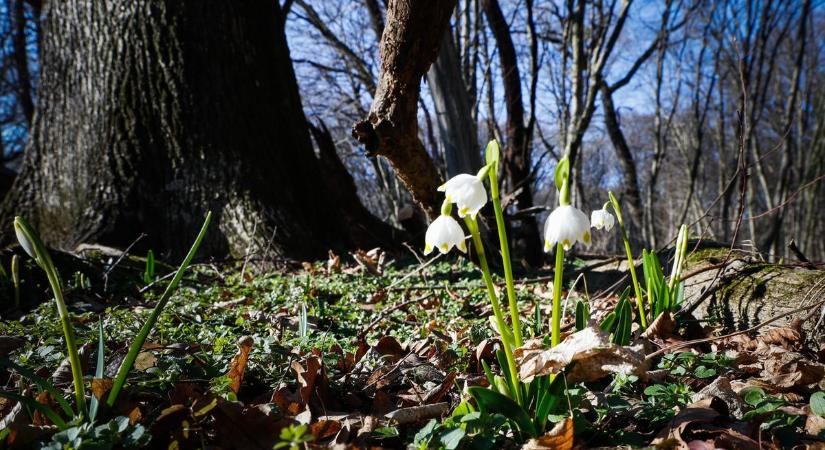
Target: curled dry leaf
333, 263
698, 426
661, 328
595, 357
371, 261
702, 412
238, 364
559, 438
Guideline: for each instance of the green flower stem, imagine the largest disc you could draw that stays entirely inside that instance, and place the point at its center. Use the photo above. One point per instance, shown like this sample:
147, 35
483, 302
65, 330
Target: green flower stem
137, 344
41, 255
563, 184
558, 279
636, 289
505, 255
15, 278
71, 344
472, 225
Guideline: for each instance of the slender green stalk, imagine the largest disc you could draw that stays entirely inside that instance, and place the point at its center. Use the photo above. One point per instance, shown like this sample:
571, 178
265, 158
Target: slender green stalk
137, 344
32, 244
558, 279
631, 265
505, 254
563, 184
472, 225
15, 278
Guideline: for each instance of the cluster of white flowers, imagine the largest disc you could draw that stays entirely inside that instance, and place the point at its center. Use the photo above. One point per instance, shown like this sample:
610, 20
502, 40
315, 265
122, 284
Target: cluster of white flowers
566, 225
468, 193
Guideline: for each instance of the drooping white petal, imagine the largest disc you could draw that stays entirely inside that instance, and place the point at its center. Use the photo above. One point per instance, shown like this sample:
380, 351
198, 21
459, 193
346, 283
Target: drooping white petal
444, 233
602, 218
566, 225
467, 191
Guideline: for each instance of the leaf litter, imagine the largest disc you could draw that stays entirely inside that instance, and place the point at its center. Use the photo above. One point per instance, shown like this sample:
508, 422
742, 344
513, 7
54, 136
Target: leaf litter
381, 359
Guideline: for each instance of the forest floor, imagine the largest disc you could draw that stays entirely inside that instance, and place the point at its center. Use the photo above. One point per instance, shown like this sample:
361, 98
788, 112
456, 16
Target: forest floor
377, 354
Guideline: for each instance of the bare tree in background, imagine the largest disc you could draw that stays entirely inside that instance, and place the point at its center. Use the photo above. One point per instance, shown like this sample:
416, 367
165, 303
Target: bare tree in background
408, 46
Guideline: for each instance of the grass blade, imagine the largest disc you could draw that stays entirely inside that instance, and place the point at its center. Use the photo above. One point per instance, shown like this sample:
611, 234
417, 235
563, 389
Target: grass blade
33, 404
42, 383
95, 403
137, 344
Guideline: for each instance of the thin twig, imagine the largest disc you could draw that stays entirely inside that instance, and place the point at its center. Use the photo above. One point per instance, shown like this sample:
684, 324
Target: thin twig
388, 311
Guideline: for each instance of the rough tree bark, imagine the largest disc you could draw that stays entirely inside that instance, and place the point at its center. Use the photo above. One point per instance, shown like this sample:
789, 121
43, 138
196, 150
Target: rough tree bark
409, 44
517, 167
152, 112
453, 111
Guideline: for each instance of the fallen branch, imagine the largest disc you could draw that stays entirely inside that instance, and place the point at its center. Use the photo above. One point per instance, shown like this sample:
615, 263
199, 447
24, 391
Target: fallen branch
678, 346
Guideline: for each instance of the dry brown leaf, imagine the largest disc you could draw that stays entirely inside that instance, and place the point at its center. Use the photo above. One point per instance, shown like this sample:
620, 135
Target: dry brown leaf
377, 297
661, 328
559, 438
784, 337
101, 386
144, 361
333, 263
238, 364
307, 376
325, 429
701, 412
371, 261
814, 424
595, 357
389, 346
249, 427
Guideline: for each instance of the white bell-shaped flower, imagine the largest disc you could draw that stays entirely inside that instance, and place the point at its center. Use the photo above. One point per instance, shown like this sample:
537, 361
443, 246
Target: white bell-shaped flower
602, 218
566, 225
443, 234
467, 191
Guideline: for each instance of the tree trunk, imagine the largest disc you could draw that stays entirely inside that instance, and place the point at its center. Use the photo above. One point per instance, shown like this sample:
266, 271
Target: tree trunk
21, 62
150, 113
517, 167
453, 112
625, 157
409, 45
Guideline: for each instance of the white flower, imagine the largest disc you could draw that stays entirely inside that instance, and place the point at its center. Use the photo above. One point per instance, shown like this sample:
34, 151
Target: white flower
467, 191
602, 219
23, 238
566, 225
443, 234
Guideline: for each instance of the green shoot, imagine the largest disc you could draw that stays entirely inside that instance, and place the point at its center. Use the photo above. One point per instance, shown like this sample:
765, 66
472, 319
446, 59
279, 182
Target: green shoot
32, 244
149, 273
137, 344
630, 262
